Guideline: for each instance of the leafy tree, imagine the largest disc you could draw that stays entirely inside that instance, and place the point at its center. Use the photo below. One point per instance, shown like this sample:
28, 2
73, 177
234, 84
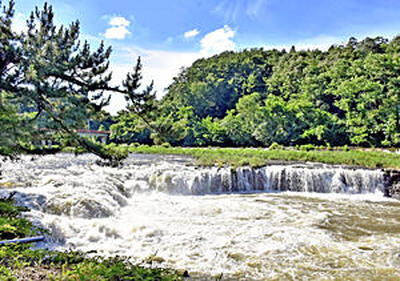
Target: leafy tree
213, 86
212, 132
242, 122
128, 129
348, 95
47, 71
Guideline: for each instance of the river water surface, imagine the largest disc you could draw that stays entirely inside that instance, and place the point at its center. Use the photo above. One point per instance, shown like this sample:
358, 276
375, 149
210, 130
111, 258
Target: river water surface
213, 221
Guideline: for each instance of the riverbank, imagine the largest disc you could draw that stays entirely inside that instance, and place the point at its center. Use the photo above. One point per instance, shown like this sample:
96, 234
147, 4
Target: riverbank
21, 262
257, 157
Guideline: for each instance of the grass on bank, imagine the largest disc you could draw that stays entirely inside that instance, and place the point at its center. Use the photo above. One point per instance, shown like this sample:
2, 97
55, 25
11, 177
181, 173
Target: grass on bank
257, 157
20, 262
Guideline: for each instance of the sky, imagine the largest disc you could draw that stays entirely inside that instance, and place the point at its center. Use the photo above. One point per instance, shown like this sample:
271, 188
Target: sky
169, 35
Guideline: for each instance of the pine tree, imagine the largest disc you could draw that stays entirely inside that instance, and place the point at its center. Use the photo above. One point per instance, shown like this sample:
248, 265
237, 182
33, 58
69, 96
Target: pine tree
142, 103
12, 129
47, 71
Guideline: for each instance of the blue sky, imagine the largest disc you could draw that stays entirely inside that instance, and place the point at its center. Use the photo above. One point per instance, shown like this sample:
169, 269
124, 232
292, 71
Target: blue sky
171, 34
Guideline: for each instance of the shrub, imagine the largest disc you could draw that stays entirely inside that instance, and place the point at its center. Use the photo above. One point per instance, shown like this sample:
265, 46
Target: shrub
275, 146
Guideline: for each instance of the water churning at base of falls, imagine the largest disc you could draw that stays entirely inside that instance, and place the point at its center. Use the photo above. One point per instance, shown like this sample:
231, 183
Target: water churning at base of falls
247, 223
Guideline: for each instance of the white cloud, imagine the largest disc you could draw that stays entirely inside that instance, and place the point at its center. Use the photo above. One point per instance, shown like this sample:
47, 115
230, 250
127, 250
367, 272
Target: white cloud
19, 23
119, 28
117, 32
119, 21
191, 33
160, 66
218, 41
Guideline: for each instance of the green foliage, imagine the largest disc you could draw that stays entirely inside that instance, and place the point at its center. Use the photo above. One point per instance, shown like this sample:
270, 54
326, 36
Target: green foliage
260, 157
213, 86
241, 124
11, 224
63, 266
165, 144
212, 132
307, 147
115, 269
49, 79
348, 95
275, 146
129, 129
51, 84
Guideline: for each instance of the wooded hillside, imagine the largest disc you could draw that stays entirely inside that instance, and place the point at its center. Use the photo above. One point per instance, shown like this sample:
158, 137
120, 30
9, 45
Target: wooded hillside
349, 94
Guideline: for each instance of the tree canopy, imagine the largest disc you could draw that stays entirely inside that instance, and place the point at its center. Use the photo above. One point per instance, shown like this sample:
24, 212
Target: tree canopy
52, 82
347, 95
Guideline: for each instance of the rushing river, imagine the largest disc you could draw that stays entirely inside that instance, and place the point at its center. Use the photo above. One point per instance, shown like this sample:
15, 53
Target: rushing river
214, 220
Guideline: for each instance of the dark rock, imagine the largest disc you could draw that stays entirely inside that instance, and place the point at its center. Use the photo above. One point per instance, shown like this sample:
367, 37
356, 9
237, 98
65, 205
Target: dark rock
392, 183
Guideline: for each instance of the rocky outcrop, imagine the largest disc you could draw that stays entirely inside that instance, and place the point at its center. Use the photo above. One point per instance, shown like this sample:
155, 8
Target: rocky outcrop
392, 183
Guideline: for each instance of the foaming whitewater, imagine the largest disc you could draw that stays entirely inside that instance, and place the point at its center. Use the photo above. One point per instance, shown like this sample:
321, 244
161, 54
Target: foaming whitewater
248, 224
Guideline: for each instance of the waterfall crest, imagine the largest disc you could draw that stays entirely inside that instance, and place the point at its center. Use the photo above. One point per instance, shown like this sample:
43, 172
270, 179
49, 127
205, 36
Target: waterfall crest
67, 185
137, 210
300, 178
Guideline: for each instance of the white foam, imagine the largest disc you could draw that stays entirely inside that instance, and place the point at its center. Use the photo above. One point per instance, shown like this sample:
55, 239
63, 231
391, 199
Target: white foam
120, 211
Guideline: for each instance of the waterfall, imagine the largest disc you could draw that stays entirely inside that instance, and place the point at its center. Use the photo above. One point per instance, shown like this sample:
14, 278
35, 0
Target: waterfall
340, 219
300, 178
63, 184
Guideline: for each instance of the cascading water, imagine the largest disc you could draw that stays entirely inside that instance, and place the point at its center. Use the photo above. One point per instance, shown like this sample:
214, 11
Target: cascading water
337, 224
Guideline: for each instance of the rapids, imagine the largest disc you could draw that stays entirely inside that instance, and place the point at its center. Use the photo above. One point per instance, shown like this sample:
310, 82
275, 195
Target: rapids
247, 223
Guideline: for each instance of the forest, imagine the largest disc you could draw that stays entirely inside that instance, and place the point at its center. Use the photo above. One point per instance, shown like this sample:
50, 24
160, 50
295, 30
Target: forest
52, 83
347, 95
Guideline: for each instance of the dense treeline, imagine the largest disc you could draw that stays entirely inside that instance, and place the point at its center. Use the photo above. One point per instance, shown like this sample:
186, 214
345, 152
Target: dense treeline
348, 95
